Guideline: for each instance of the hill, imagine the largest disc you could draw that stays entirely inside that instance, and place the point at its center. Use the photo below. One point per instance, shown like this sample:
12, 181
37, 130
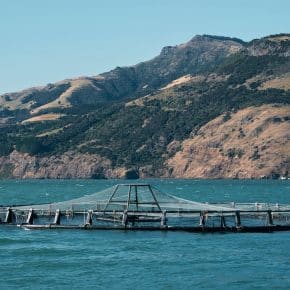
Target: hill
160, 117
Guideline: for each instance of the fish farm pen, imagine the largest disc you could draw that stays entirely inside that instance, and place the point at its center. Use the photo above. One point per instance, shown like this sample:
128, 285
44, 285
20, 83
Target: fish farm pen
144, 207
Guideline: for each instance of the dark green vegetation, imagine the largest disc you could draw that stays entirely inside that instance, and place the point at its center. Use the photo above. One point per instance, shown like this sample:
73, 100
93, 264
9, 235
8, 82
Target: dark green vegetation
100, 122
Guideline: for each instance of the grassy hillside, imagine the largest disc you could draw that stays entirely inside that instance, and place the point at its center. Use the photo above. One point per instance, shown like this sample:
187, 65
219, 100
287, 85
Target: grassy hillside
138, 117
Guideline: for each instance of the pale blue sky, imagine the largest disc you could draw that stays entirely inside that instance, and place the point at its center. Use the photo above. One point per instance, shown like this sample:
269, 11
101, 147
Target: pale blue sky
47, 41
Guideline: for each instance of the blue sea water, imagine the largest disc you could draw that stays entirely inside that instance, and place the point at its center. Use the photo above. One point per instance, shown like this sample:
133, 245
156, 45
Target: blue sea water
72, 259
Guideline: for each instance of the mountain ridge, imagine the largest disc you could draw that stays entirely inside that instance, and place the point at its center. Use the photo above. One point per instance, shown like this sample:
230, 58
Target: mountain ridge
137, 119
104, 83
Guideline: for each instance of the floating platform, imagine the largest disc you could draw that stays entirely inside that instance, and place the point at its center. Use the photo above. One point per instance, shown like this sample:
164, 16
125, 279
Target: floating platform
143, 207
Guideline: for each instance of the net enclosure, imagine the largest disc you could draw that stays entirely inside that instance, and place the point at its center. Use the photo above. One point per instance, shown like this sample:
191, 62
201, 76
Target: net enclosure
144, 207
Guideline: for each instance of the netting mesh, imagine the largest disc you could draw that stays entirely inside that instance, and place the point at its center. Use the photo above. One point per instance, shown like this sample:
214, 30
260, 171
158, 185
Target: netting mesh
142, 197
130, 197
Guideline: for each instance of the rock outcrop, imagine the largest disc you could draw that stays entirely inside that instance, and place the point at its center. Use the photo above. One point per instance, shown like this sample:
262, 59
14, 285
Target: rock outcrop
251, 143
69, 165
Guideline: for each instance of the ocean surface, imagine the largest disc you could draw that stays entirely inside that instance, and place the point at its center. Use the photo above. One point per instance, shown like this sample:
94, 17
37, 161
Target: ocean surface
72, 259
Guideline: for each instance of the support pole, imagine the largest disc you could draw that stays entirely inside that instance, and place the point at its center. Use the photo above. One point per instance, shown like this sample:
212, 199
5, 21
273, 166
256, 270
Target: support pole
223, 222
154, 197
8, 216
202, 219
136, 197
111, 197
129, 197
270, 218
29, 219
57, 217
125, 218
89, 220
163, 219
238, 219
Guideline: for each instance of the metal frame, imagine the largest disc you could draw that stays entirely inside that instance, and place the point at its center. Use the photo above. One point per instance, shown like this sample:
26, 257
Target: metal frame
158, 219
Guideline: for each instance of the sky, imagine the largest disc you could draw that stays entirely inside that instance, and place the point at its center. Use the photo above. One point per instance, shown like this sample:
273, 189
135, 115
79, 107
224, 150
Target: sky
47, 41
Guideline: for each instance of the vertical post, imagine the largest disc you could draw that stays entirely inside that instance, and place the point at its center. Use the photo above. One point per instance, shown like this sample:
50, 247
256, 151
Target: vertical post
202, 219
163, 219
57, 217
89, 220
129, 197
8, 217
136, 197
223, 222
238, 219
29, 219
270, 218
125, 218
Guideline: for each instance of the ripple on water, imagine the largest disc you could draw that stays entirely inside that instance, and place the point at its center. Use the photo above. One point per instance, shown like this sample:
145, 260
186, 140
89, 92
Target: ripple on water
142, 260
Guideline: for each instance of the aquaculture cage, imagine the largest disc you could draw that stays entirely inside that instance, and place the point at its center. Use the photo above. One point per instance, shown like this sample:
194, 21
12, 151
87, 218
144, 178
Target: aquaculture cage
144, 207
